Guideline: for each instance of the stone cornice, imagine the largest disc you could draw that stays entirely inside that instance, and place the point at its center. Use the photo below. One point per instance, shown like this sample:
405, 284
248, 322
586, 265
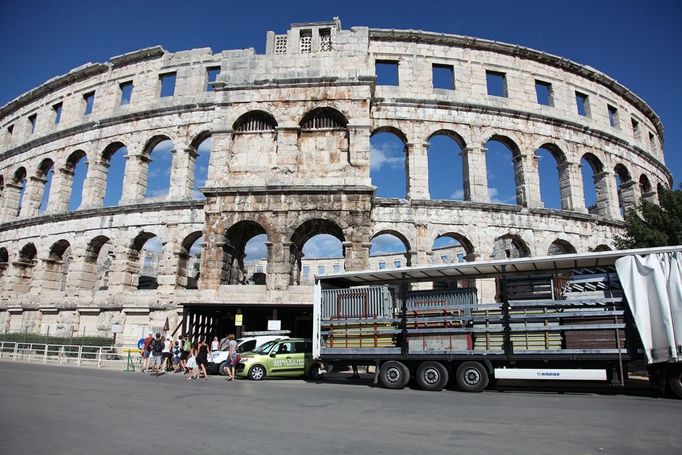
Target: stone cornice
517, 51
289, 189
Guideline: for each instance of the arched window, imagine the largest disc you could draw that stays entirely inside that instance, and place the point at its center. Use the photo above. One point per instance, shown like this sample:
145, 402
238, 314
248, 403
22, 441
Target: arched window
189, 264
77, 164
446, 173
57, 266
560, 247
19, 181
387, 163
593, 184
389, 250
145, 256
201, 162
622, 176
99, 256
44, 174
509, 247
324, 118
316, 249
553, 177
244, 252
502, 170
115, 156
160, 152
255, 122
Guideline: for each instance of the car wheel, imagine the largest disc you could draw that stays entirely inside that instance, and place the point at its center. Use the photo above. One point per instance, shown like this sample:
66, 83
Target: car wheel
675, 380
394, 375
472, 377
257, 372
314, 373
432, 376
221, 368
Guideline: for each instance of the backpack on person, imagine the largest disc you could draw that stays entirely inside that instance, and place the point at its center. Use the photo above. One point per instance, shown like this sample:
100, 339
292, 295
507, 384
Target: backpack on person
158, 346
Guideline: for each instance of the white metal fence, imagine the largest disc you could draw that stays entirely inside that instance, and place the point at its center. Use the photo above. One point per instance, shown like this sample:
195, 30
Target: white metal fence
69, 354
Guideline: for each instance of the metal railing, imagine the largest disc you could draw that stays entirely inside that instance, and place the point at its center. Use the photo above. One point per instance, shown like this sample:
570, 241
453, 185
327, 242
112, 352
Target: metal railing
69, 354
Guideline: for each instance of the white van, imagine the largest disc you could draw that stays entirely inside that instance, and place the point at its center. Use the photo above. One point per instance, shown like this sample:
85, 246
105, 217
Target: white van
217, 361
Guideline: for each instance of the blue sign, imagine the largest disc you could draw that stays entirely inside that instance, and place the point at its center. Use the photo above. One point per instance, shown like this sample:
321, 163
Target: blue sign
140, 343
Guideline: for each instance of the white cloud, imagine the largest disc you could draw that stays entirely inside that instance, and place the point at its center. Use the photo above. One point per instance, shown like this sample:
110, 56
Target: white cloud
386, 244
385, 156
157, 192
323, 246
255, 248
197, 247
457, 194
494, 193
153, 245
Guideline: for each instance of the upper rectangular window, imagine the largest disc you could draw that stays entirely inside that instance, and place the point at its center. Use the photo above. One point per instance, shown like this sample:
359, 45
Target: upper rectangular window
544, 93
382, 265
126, 92
10, 130
337, 268
443, 76
396, 264
306, 271
167, 84
325, 40
57, 108
613, 116
497, 83
211, 76
320, 270
89, 99
652, 141
635, 128
32, 120
306, 41
387, 72
582, 103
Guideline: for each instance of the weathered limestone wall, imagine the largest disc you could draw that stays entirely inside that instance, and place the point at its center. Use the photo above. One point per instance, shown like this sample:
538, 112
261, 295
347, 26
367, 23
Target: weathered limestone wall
290, 158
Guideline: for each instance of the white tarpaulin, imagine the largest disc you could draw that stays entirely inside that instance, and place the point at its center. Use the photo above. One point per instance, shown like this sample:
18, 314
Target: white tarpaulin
653, 288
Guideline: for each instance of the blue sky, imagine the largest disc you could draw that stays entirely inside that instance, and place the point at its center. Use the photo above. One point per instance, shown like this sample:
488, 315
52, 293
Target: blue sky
635, 42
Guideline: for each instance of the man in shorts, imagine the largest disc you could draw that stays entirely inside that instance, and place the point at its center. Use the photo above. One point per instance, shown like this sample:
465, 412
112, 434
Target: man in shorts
157, 355
146, 351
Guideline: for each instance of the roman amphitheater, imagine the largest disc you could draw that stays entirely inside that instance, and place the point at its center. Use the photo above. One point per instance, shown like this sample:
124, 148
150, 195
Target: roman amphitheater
290, 134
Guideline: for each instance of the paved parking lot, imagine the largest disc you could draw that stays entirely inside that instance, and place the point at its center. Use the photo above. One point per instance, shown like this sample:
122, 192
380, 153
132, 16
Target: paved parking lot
64, 410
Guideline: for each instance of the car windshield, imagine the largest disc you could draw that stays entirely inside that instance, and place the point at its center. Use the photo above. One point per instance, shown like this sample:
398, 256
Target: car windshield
266, 347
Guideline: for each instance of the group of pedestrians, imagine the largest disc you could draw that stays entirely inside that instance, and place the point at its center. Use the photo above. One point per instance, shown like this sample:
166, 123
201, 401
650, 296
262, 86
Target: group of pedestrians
162, 354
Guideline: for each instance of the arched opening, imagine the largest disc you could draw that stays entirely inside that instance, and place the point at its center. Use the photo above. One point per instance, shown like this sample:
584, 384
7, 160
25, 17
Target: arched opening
77, 170
446, 172
2, 190
387, 163
25, 266
509, 246
4, 263
114, 157
159, 150
324, 118
451, 248
189, 261
553, 177
144, 260
323, 139
623, 186
560, 247
255, 122
203, 149
99, 257
646, 190
593, 184
254, 143
237, 237
57, 266
603, 247
44, 176
19, 181
316, 248
256, 259
502, 167
389, 250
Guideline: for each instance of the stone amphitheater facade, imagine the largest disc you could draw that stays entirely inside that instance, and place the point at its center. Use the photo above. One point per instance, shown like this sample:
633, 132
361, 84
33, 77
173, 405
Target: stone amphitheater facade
290, 158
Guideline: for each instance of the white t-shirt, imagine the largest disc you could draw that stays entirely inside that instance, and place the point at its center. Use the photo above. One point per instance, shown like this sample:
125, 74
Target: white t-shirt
167, 346
215, 345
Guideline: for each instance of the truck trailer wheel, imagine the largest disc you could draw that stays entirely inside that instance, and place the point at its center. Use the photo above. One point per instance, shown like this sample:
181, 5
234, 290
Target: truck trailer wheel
675, 380
472, 377
432, 376
394, 375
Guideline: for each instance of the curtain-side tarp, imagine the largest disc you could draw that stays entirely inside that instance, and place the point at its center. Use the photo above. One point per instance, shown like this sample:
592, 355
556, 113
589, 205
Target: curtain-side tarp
653, 288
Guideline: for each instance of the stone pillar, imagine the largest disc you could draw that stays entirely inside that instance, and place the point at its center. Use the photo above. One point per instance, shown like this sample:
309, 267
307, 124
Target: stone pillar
218, 166
95, 184
135, 178
278, 275
356, 254
359, 148
650, 196
292, 255
32, 196
527, 180
287, 155
628, 194
82, 276
475, 176
417, 168
60, 193
182, 173
50, 274
571, 187
166, 273
607, 197
10, 202
212, 260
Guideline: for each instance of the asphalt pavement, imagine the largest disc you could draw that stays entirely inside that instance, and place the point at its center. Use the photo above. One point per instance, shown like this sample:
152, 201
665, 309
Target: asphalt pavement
68, 410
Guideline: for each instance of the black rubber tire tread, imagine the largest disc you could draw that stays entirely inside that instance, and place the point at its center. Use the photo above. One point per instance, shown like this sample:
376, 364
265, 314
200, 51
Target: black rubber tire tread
465, 384
251, 373
221, 368
675, 380
394, 375
436, 384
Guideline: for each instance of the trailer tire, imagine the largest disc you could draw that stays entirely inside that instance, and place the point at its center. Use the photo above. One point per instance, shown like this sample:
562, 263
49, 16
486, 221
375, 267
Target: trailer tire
314, 373
394, 375
472, 377
432, 376
675, 380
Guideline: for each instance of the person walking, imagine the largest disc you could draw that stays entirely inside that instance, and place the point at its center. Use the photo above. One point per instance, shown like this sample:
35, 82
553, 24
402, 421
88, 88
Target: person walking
186, 347
177, 352
146, 351
157, 354
192, 366
232, 365
202, 357
167, 353
215, 345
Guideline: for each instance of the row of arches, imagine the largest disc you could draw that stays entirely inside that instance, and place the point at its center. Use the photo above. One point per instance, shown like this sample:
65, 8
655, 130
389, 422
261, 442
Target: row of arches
147, 262
453, 173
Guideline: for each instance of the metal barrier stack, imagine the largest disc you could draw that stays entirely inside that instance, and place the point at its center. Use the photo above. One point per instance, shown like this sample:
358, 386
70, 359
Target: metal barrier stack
66, 354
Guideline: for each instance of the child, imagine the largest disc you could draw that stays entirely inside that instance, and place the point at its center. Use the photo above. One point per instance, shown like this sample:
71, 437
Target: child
192, 368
